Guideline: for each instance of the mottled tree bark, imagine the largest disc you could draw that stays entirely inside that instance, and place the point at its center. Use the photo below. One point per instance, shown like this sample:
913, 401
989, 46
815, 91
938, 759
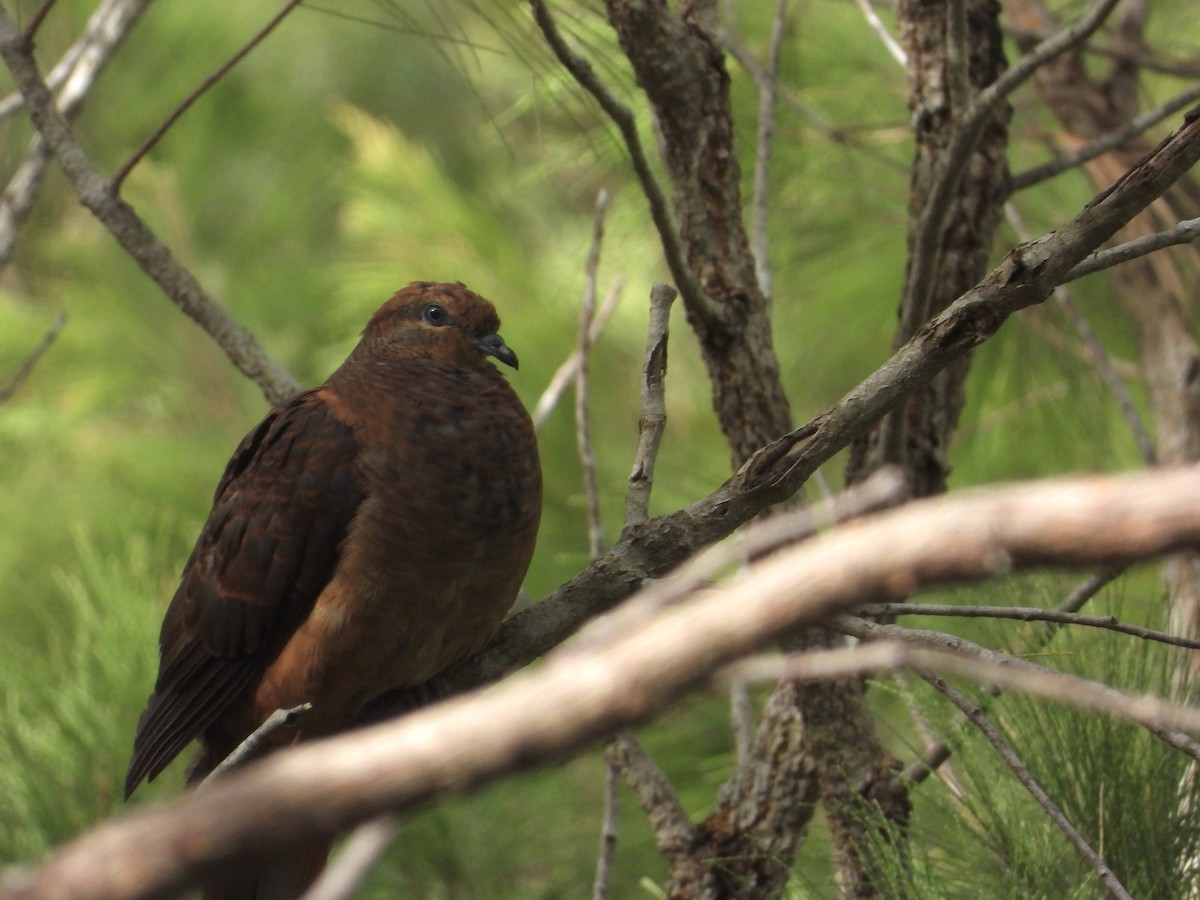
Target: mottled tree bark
949, 64
680, 66
746, 848
942, 86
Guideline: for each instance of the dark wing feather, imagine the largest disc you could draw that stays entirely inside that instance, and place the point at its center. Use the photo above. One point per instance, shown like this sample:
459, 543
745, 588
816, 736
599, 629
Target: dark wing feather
269, 547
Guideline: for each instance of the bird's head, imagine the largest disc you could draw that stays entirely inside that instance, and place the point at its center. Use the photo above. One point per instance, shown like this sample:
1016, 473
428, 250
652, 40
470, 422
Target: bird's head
438, 321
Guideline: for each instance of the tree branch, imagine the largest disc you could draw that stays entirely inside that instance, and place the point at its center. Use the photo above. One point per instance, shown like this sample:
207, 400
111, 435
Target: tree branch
1160, 718
653, 419
77, 72
620, 114
976, 717
154, 257
147, 145
321, 788
1025, 614
1183, 233
1109, 141
26, 368
1025, 277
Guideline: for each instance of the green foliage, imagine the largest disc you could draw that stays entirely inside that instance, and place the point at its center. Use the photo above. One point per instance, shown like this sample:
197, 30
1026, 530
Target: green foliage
66, 705
367, 146
1132, 798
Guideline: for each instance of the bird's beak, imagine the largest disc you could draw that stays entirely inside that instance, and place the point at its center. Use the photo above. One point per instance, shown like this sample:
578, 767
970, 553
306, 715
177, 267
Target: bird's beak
493, 345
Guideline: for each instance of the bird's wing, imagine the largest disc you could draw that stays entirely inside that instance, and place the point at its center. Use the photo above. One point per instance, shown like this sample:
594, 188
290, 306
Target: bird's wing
269, 547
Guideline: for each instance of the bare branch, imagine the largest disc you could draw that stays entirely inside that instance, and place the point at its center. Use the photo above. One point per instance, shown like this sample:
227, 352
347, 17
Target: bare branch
653, 419
608, 830
976, 717
35, 21
1026, 614
1003, 670
361, 851
892, 45
927, 234
147, 145
1088, 589
318, 789
276, 721
768, 91
587, 456
581, 70
155, 259
1183, 233
673, 830
564, 375
76, 73
1110, 141
1150, 61
26, 368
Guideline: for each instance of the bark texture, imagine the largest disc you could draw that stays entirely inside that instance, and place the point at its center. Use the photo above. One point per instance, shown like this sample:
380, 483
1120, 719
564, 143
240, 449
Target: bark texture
944, 81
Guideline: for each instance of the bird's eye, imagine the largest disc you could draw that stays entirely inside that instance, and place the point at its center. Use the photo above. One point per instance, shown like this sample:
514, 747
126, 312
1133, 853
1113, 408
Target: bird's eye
435, 315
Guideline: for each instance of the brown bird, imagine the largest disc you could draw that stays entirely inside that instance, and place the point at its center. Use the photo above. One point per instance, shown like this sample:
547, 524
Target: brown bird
369, 534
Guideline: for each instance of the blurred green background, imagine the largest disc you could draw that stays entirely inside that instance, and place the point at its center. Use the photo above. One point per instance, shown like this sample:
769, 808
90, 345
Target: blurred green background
368, 144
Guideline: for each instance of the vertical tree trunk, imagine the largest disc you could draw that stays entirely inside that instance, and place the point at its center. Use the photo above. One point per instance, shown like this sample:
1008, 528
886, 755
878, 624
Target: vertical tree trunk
746, 848
942, 86
949, 64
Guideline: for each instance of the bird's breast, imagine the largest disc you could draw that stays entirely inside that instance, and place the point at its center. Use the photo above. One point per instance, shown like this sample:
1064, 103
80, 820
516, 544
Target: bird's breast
434, 556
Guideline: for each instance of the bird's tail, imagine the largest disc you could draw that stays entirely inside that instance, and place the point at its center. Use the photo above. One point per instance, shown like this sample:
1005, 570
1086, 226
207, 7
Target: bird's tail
285, 877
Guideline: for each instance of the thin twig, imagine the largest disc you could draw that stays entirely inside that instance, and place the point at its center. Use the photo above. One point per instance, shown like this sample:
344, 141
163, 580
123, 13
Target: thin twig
1183, 233
976, 717
147, 145
276, 721
892, 45
1150, 61
835, 133
928, 229
608, 828
653, 419
37, 19
26, 367
134, 236
76, 73
937, 750
581, 70
1109, 141
564, 376
934, 760
1099, 355
587, 456
768, 94
1026, 614
741, 716
1003, 670
884, 488
673, 830
358, 856
1090, 587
